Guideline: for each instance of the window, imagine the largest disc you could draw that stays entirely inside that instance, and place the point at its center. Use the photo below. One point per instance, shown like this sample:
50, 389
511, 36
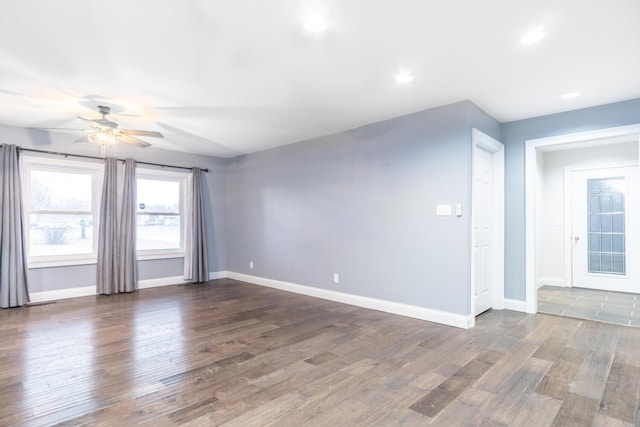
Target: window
606, 211
61, 199
160, 213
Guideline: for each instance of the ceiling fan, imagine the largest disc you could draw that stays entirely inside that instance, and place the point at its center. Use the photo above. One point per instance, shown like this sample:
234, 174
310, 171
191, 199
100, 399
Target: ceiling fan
106, 132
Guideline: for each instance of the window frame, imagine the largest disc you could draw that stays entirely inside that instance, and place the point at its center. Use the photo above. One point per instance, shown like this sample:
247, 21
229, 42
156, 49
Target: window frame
31, 163
170, 176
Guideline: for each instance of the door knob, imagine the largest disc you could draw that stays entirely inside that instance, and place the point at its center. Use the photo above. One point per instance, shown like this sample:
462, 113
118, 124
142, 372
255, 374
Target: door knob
576, 238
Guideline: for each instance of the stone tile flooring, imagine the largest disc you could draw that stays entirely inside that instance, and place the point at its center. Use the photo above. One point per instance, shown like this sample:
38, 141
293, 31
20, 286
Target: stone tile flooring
612, 307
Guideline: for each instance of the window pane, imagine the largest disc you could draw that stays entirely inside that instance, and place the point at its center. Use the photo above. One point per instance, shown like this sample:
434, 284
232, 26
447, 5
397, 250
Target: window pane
617, 224
605, 243
593, 203
606, 262
60, 191
158, 196
618, 203
617, 243
605, 213
618, 263
60, 234
594, 262
158, 232
606, 204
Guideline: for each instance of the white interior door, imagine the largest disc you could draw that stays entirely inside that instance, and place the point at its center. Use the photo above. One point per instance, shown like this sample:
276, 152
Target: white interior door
482, 228
604, 227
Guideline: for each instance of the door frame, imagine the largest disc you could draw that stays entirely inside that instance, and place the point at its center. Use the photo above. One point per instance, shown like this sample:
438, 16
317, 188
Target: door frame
531, 169
482, 140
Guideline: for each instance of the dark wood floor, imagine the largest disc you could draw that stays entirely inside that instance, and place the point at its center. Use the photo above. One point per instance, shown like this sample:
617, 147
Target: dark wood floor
229, 353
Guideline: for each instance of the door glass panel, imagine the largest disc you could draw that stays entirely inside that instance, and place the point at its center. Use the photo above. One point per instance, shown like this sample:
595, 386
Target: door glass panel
606, 210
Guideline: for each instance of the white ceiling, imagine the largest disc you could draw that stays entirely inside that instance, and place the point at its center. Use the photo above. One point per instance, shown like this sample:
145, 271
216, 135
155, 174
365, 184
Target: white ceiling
230, 77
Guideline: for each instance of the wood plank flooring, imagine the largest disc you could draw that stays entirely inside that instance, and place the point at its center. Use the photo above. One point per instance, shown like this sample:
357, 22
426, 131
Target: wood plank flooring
233, 354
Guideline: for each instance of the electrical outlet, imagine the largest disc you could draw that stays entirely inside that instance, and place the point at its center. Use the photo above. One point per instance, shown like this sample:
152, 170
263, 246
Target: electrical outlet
251, 264
336, 278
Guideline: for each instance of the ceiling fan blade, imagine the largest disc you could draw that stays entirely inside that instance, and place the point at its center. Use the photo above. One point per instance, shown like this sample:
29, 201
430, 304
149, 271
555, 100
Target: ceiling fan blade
96, 126
59, 129
142, 133
82, 139
132, 140
104, 123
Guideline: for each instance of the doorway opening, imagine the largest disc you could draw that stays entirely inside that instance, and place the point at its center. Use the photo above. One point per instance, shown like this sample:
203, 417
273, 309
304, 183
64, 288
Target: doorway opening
557, 247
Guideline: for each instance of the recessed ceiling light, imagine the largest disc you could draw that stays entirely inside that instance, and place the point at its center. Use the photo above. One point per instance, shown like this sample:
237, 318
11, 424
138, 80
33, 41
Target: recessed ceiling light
533, 37
404, 77
315, 24
570, 95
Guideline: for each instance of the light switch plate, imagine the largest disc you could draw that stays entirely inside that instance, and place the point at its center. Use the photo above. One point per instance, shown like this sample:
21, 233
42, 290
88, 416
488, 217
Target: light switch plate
443, 210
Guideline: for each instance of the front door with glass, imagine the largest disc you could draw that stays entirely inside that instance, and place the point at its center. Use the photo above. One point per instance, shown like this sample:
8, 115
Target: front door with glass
604, 228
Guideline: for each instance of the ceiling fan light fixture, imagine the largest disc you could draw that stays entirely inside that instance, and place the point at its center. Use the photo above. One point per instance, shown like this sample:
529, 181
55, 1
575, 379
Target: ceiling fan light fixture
103, 137
106, 132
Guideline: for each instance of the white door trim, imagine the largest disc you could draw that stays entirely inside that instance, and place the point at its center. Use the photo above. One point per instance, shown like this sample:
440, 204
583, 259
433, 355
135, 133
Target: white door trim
480, 139
532, 147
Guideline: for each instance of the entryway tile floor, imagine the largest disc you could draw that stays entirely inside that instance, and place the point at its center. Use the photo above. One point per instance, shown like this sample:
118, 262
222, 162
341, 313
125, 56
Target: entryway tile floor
612, 307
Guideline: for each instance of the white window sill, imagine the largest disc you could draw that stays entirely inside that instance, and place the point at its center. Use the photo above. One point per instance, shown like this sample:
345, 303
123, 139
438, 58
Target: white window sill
146, 256
32, 265
61, 263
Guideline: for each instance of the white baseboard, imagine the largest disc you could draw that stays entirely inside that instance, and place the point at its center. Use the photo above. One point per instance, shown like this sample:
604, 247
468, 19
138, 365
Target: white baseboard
552, 281
437, 316
161, 281
62, 294
214, 275
91, 290
176, 280
515, 305
443, 317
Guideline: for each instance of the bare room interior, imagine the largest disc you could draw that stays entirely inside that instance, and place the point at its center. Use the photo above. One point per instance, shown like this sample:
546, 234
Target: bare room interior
320, 213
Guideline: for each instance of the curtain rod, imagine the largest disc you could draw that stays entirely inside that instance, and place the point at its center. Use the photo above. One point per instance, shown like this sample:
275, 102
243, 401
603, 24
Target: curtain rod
100, 158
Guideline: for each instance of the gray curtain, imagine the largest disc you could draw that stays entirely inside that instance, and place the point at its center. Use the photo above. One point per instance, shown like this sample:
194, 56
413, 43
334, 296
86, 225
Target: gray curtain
196, 258
107, 273
13, 255
128, 274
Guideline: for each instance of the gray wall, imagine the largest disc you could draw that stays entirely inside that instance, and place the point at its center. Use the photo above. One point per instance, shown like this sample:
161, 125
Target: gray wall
362, 204
514, 135
47, 279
